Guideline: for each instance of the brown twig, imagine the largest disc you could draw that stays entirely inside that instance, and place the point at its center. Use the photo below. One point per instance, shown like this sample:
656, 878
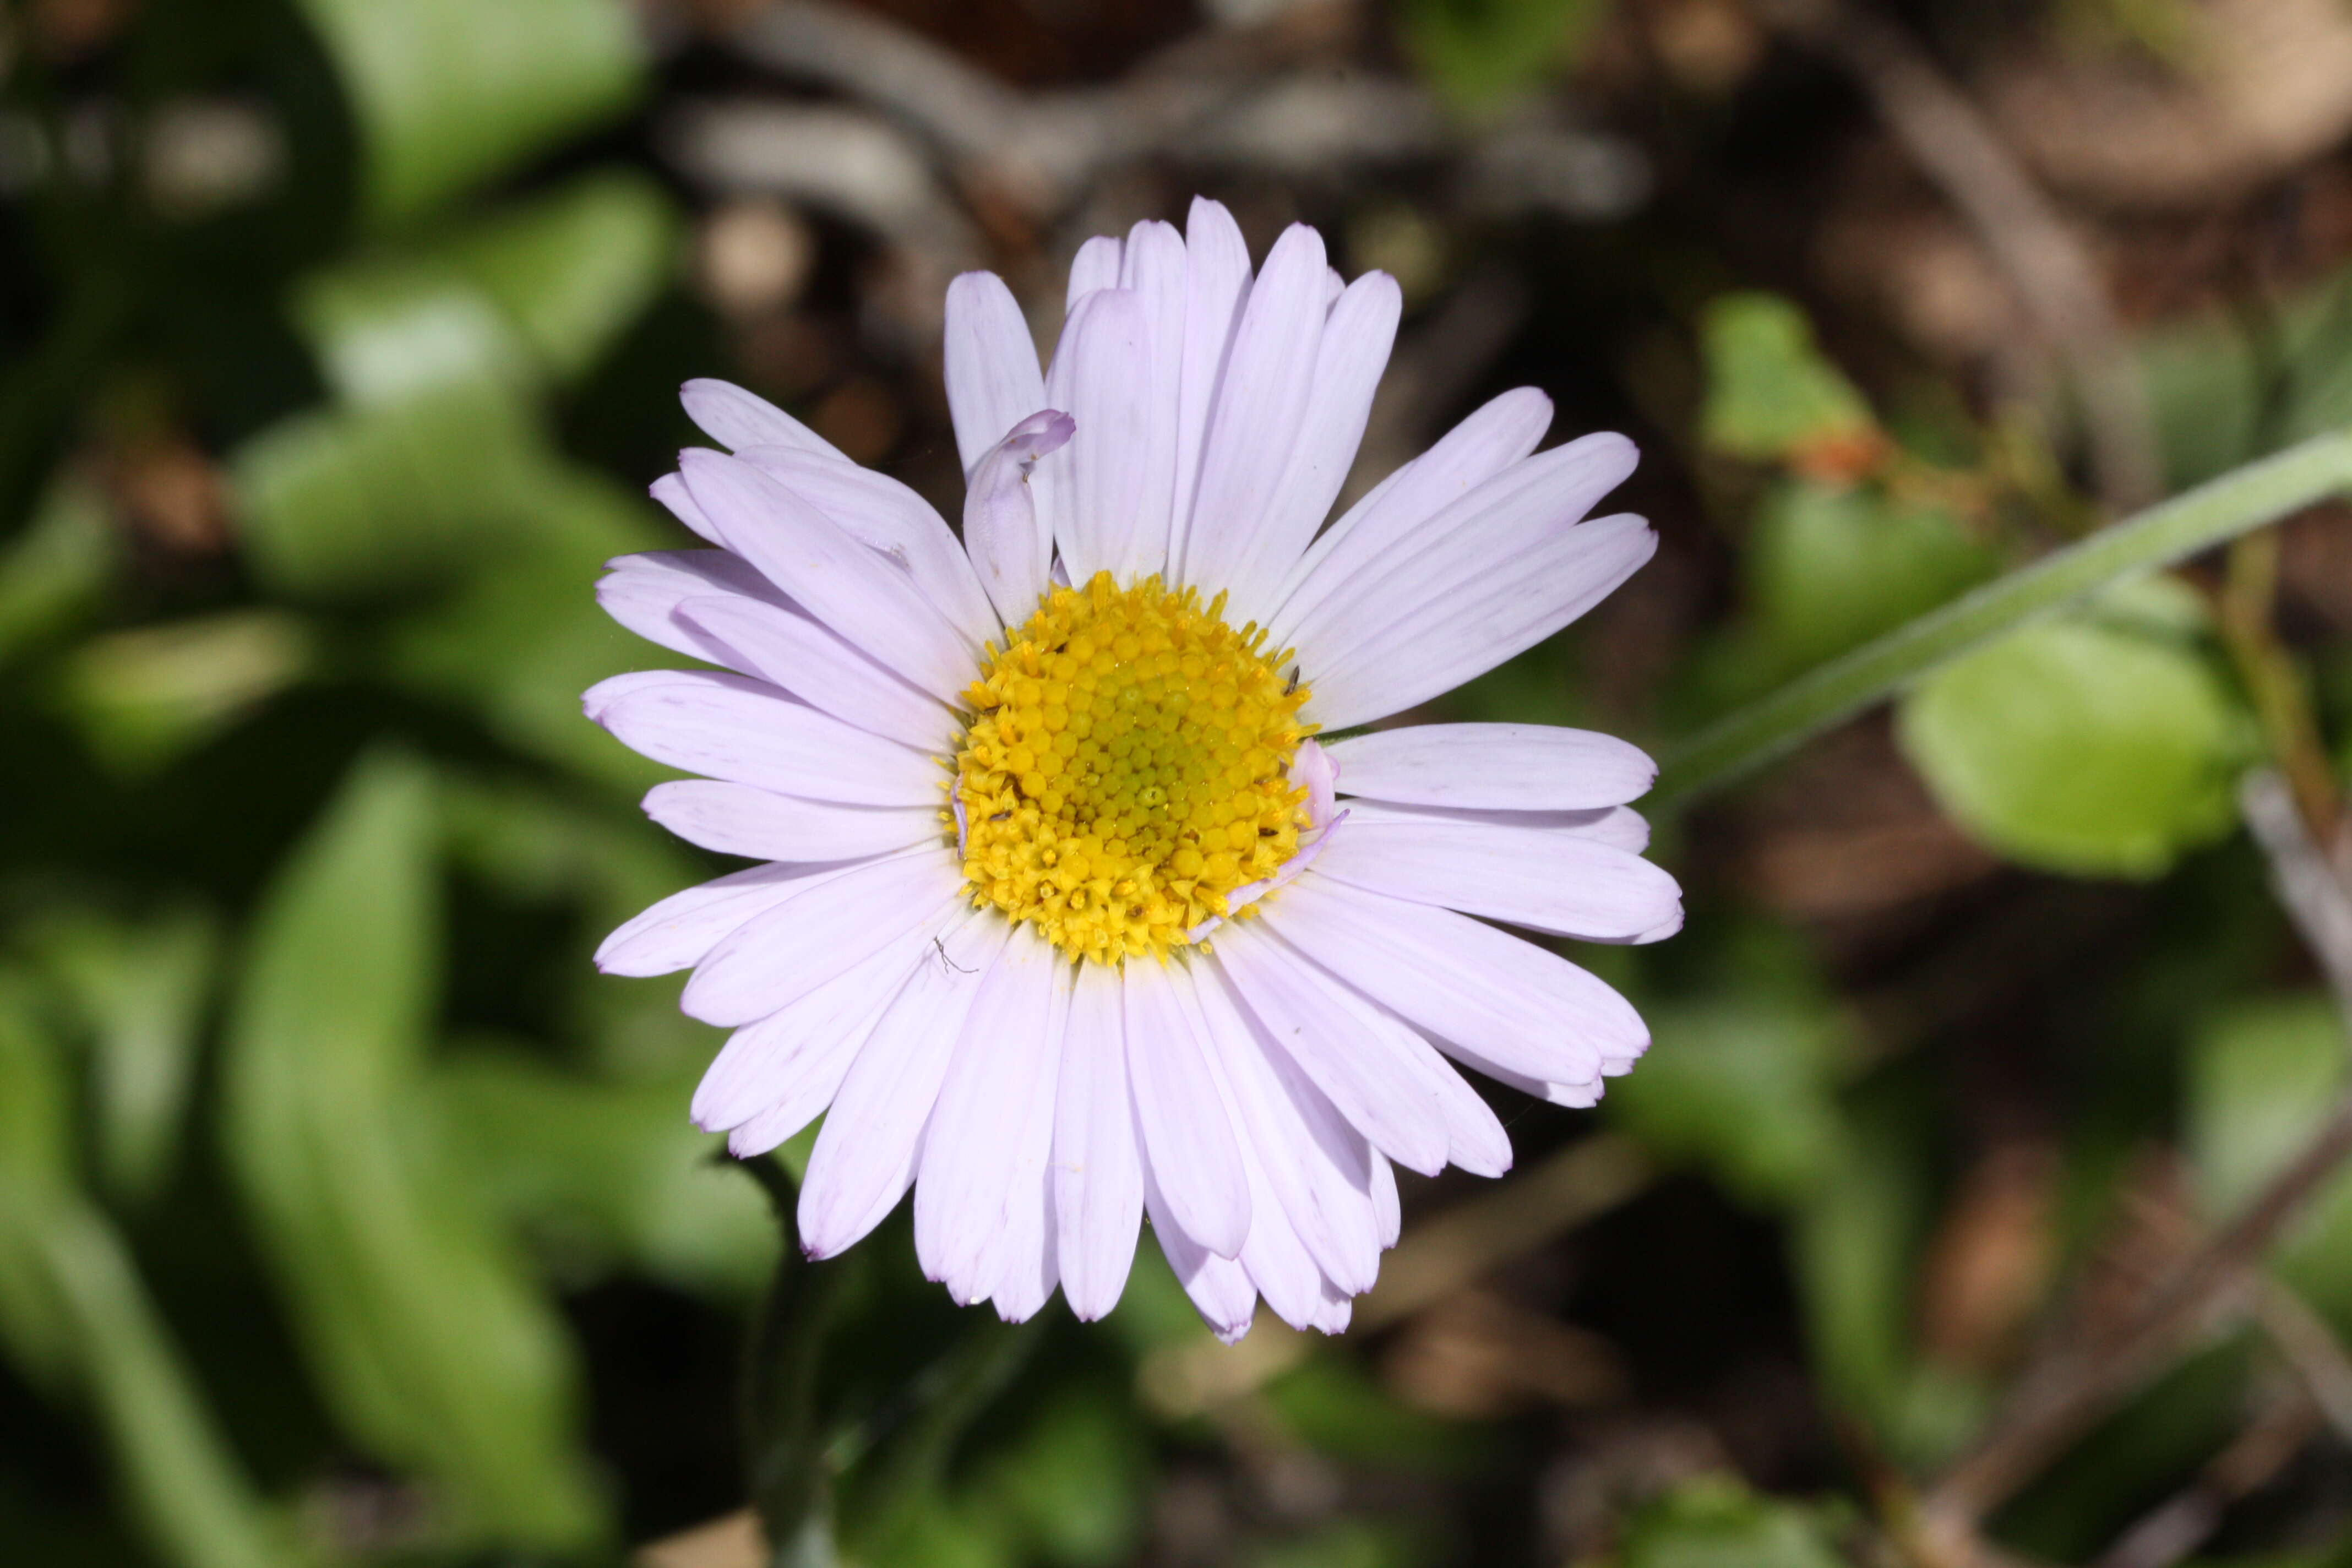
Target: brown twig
2282, 706
2303, 878
2053, 276
2180, 1525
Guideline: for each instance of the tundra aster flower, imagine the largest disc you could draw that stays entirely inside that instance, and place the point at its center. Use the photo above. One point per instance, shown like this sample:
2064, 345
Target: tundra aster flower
1065, 914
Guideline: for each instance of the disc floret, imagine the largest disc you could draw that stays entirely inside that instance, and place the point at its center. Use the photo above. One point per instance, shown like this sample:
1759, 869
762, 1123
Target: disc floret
1127, 768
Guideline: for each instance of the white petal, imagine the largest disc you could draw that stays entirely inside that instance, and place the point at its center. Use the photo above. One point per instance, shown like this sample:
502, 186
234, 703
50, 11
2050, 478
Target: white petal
1095, 267
1188, 1143
737, 819
789, 1063
1154, 270
866, 1153
1331, 1038
1494, 767
1618, 827
1387, 1212
1220, 1287
973, 1151
1101, 377
888, 517
1525, 1009
641, 592
1357, 338
1261, 406
680, 931
671, 491
814, 664
736, 418
1498, 434
732, 727
1097, 1166
1582, 1095
830, 573
1009, 538
1413, 642
991, 365
1031, 1263
1564, 883
1333, 1222
781, 955
1474, 1138
1536, 498
1216, 285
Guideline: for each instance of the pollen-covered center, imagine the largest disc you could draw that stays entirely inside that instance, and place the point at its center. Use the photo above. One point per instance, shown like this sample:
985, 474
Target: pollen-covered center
1127, 768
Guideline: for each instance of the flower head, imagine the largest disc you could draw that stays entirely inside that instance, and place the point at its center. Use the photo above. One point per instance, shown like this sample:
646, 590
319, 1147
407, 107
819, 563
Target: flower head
1068, 910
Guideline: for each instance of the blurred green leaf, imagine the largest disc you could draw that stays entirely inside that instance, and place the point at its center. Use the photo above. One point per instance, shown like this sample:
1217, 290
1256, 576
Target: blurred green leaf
143, 697
74, 1313
55, 568
140, 990
338, 503
606, 1174
1769, 391
427, 1341
1483, 53
1744, 1085
2232, 386
1829, 568
1334, 1406
450, 93
1346, 1544
1715, 1521
1072, 1485
2104, 744
2261, 1079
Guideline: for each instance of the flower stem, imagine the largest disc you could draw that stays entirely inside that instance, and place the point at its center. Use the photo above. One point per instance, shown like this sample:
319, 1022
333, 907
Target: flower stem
2238, 502
783, 1440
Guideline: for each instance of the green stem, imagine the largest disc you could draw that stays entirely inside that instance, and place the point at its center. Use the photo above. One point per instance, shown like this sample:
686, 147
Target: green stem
783, 1440
2238, 502
953, 1393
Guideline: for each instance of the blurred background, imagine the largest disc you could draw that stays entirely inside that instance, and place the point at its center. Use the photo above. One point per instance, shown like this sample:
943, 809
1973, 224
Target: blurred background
348, 1217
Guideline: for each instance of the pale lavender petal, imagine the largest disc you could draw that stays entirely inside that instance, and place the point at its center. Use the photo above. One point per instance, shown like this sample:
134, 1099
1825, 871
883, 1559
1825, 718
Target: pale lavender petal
1333, 1224
671, 491
779, 957
738, 819
830, 573
1387, 1212
1582, 1095
1475, 1139
791, 1061
1011, 541
1461, 623
892, 520
736, 418
1261, 406
1154, 270
866, 1153
1354, 350
1216, 285
991, 365
680, 932
1618, 827
975, 1149
1358, 586
1220, 1287
1031, 1265
732, 727
641, 593
1522, 1008
1338, 1309
1334, 288
1498, 435
1331, 1037
1102, 376
1188, 1141
1097, 1165
816, 665
1494, 767
1562, 883
1096, 267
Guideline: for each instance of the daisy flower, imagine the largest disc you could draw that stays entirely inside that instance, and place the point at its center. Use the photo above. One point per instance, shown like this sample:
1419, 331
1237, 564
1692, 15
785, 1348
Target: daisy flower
1068, 909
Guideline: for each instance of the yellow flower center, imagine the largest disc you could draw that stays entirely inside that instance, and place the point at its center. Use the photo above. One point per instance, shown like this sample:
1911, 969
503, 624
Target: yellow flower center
1127, 768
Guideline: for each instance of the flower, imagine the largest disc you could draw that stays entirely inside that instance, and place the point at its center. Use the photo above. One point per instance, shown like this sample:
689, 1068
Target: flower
1064, 914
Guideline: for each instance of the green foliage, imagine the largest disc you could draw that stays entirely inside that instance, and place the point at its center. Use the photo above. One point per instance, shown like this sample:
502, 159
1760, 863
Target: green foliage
2104, 744
1482, 55
144, 696
54, 570
1715, 1521
2231, 385
426, 1337
448, 92
1770, 395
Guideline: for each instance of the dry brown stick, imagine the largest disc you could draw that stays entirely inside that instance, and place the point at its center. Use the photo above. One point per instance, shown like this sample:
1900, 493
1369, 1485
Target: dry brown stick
2053, 276
2179, 1526
2303, 878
